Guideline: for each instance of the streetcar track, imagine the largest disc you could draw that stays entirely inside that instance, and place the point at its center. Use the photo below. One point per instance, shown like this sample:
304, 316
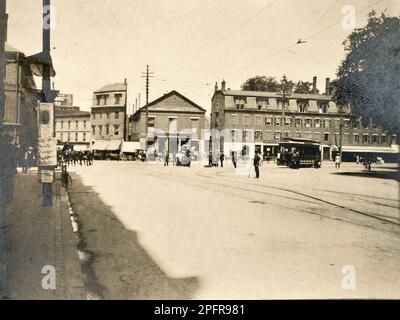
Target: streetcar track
314, 198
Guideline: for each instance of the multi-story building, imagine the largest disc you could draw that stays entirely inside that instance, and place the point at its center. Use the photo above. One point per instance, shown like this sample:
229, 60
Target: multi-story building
108, 116
173, 121
20, 119
308, 116
73, 127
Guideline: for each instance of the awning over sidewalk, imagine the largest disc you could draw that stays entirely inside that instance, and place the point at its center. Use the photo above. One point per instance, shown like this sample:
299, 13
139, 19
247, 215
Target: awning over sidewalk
107, 145
130, 147
392, 149
114, 145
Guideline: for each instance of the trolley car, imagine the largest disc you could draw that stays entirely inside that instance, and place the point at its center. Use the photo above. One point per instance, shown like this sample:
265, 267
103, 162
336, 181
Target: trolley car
296, 153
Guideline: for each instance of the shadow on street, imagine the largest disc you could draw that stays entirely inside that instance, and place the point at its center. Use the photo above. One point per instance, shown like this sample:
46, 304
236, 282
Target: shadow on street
119, 268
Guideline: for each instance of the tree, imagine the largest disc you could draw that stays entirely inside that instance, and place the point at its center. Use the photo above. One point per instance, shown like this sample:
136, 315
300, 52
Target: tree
261, 83
266, 84
369, 76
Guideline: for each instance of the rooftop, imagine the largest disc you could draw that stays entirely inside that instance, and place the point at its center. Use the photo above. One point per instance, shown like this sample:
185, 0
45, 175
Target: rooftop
113, 87
306, 96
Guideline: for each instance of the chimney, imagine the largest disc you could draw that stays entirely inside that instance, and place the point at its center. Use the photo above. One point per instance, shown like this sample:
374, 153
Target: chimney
223, 85
314, 85
125, 81
327, 86
216, 87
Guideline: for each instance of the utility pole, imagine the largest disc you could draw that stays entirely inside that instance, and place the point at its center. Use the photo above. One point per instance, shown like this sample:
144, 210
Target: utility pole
147, 75
340, 130
284, 96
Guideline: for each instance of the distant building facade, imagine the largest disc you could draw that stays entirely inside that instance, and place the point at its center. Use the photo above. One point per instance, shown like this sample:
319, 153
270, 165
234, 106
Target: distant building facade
174, 121
20, 118
64, 100
73, 127
308, 116
108, 114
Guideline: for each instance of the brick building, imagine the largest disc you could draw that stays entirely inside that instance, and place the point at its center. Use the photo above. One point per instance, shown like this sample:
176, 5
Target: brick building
108, 116
174, 120
307, 116
20, 119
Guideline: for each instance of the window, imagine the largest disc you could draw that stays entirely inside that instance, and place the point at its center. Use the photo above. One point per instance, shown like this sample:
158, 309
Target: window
94, 130
195, 124
69, 124
258, 121
323, 107
118, 98
98, 99
336, 123
298, 122
375, 138
172, 125
317, 123
76, 124
247, 120
288, 122
240, 103
366, 138
307, 123
151, 122
262, 103
116, 116
346, 123
258, 135
280, 103
61, 137
356, 138
308, 135
327, 123
302, 105
383, 138
116, 130
105, 99
286, 134
62, 125
84, 137
234, 119
326, 137
69, 137
268, 121
277, 121
277, 135
76, 136
107, 130
100, 130
84, 124
246, 135
107, 116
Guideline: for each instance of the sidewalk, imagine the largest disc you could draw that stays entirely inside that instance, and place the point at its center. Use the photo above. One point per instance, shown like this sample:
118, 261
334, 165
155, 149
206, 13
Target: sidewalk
36, 237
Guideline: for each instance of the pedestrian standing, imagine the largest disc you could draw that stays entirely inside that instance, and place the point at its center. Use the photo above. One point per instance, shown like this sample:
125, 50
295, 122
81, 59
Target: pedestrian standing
234, 159
357, 159
25, 161
210, 158
257, 164
222, 158
338, 161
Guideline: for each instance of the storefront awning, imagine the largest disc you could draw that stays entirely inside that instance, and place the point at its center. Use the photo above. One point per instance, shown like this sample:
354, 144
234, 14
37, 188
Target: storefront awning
100, 145
370, 149
130, 147
114, 145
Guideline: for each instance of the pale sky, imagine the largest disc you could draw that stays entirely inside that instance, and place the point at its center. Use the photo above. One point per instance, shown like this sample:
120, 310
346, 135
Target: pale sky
189, 44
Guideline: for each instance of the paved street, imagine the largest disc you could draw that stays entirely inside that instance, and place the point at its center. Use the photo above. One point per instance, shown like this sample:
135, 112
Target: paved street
206, 233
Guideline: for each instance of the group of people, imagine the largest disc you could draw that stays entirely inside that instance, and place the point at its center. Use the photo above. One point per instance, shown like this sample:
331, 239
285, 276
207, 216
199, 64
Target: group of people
71, 157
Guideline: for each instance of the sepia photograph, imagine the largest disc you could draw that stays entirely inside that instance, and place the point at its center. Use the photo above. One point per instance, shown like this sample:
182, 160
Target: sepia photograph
199, 150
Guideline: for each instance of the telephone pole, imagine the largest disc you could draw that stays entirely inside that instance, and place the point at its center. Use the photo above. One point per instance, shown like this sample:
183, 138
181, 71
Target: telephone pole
147, 75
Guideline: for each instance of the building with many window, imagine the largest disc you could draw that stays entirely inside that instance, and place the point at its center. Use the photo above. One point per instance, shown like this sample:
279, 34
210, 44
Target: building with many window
73, 127
173, 121
20, 115
108, 116
259, 117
